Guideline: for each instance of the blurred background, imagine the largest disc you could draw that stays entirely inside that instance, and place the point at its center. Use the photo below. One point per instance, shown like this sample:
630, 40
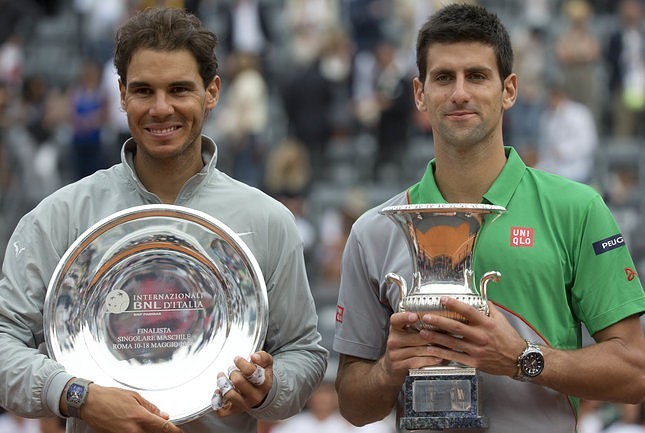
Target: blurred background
317, 110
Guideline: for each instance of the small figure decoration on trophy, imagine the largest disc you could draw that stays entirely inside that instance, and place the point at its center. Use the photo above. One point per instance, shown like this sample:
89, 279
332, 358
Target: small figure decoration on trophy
441, 240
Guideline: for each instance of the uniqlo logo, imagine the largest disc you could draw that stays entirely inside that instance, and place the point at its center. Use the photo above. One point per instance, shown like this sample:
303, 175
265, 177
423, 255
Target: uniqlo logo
521, 237
339, 313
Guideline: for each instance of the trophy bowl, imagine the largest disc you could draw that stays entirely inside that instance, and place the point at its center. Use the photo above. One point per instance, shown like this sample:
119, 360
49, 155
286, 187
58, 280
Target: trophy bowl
441, 242
157, 299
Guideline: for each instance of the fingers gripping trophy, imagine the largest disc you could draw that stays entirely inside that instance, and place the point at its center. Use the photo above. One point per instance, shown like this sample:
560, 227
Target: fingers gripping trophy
441, 240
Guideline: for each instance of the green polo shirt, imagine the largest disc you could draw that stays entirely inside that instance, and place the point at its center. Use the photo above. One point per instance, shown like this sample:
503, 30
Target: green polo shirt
560, 252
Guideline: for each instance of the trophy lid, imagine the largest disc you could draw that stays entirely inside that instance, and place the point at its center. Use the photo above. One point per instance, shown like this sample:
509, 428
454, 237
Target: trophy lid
444, 208
156, 299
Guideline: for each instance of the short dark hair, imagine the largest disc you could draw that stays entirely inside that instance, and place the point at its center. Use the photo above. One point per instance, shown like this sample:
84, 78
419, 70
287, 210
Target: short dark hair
166, 29
465, 23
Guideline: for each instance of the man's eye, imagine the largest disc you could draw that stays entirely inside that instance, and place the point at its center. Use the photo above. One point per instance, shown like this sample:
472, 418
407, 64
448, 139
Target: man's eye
179, 90
141, 91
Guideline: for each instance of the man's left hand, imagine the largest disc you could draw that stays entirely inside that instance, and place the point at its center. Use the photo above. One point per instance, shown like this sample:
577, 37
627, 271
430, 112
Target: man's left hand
488, 343
247, 392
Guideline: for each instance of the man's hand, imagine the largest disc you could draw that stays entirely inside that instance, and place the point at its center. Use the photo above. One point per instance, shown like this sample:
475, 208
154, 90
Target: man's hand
488, 343
115, 410
406, 348
368, 389
247, 392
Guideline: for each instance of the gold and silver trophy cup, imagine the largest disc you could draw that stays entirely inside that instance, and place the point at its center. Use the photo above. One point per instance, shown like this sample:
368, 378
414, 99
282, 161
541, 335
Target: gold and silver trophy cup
441, 240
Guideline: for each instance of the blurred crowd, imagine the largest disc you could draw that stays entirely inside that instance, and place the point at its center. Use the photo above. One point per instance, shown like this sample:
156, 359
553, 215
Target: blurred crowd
317, 110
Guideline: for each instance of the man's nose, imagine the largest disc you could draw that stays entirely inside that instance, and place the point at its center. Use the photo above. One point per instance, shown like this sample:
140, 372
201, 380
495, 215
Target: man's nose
161, 105
460, 93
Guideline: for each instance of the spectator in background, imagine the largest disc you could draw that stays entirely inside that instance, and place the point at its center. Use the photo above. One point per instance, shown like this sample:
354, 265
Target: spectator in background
530, 46
590, 419
317, 68
89, 106
243, 118
578, 53
97, 21
367, 20
336, 67
12, 423
52, 425
247, 29
33, 110
19, 17
31, 122
568, 138
12, 59
385, 108
311, 21
335, 226
287, 179
321, 415
625, 57
115, 129
631, 419
307, 97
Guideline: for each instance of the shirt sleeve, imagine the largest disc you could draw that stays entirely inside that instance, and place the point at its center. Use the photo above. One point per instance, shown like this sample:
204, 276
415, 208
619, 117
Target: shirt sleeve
606, 288
26, 372
362, 320
299, 360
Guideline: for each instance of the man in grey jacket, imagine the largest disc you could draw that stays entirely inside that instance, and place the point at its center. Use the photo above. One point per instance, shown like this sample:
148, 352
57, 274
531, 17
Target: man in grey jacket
168, 82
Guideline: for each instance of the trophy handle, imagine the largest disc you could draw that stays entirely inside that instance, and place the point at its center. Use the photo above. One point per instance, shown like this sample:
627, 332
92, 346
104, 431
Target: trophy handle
403, 288
483, 283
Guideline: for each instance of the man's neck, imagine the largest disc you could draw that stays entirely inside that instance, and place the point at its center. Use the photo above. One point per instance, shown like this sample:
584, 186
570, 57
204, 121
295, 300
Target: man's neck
464, 175
166, 178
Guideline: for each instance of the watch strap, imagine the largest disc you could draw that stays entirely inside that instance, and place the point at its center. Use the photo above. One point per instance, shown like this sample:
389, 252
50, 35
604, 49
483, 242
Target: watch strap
74, 405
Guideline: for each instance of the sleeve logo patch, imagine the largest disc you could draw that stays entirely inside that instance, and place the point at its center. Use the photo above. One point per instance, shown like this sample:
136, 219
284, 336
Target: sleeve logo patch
608, 244
521, 237
339, 313
630, 273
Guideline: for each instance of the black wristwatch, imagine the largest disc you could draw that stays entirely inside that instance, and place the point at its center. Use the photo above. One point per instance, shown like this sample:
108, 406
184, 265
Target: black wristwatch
76, 396
530, 363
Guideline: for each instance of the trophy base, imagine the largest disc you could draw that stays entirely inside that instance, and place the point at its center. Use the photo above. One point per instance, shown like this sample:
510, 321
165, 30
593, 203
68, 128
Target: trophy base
441, 423
439, 398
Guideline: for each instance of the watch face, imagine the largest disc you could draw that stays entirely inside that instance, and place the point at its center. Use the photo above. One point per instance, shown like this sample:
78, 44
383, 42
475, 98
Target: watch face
75, 393
533, 364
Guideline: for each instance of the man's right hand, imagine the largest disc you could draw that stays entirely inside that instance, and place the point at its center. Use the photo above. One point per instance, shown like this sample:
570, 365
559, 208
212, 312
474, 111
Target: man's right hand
115, 410
406, 348
367, 389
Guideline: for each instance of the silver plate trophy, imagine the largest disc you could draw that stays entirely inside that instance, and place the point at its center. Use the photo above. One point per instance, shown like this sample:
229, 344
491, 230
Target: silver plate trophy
157, 299
441, 240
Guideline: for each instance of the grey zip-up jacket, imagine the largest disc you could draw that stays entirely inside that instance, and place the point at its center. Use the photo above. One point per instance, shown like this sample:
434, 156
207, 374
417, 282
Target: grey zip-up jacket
31, 383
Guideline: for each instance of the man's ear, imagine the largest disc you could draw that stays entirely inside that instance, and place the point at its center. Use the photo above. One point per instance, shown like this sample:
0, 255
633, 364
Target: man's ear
212, 92
509, 95
419, 96
122, 93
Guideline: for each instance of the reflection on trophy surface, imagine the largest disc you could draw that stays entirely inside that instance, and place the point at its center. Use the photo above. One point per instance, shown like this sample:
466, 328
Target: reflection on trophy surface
441, 241
157, 299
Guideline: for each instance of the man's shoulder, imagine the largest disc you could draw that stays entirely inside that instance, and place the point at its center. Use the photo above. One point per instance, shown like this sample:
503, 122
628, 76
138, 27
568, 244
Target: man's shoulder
373, 221
559, 187
97, 185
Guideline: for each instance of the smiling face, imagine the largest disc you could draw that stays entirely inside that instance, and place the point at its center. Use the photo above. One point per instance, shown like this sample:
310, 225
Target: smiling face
166, 103
463, 94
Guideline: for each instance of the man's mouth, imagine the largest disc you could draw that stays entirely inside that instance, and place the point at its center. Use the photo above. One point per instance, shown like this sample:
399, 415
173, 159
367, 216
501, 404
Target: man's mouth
162, 131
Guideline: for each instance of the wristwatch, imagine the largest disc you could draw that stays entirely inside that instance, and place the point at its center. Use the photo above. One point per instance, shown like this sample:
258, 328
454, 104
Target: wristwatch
76, 396
530, 363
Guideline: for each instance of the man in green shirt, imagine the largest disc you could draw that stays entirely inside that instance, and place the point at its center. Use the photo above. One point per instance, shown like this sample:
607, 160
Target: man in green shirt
563, 260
